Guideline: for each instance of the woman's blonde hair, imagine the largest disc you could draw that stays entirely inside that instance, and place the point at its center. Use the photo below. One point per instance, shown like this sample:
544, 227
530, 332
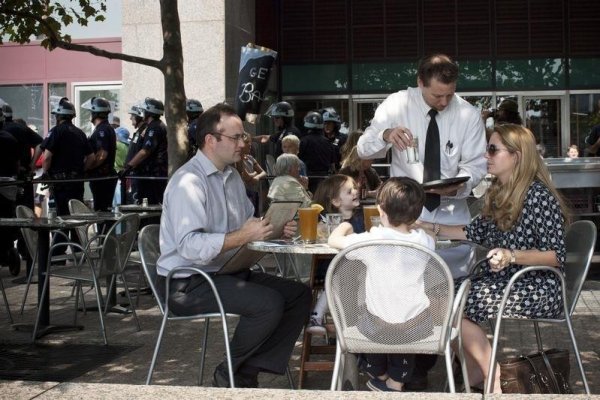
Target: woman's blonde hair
504, 202
351, 142
292, 139
352, 161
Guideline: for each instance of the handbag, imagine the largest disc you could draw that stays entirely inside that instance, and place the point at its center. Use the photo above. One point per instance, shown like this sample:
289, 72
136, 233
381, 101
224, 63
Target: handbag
542, 372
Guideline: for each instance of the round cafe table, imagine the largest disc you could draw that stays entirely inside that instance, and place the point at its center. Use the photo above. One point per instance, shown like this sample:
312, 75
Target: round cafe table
43, 226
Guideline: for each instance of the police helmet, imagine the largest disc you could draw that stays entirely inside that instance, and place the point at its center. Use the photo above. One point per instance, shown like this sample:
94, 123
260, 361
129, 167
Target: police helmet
313, 120
193, 106
331, 116
136, 111
7, 110
97, 105
153, 106
64, 107
281, 109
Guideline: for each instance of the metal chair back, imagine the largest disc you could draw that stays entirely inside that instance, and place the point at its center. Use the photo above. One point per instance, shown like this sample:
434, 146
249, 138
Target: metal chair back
429, 279
83, 232
117, 245
580, 243
148, 244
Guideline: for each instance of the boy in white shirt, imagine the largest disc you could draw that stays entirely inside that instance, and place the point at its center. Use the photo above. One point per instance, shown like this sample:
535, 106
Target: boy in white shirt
395, 292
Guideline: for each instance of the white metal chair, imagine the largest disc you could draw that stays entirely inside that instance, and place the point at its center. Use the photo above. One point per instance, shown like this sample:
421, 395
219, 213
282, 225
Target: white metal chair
31, 240
580, 243
345, 286
116, 246
149, 250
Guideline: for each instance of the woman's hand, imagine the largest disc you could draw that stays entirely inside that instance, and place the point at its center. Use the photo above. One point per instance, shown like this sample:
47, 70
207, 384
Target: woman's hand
498, 259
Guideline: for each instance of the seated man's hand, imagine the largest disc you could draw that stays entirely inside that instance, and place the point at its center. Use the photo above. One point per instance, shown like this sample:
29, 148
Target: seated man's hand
290, 229
257, 229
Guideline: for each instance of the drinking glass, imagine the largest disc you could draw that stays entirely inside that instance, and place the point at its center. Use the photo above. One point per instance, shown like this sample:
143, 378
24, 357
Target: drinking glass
368, 212
333, 221
412, 152
308, 218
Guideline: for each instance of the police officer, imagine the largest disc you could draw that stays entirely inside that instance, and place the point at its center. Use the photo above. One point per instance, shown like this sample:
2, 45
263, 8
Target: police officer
136, 116
315, 150
283, 120
104, 144
28, 140
9, 167
151, 160
67, 154
331, 129
193, 109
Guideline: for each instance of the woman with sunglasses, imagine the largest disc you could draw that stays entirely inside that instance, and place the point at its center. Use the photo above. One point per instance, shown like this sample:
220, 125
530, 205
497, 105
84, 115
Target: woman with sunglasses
523, 223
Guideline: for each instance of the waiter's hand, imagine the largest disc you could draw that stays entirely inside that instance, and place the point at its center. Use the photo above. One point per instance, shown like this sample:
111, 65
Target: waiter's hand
289, 229
449, 190
257, 229
400, 137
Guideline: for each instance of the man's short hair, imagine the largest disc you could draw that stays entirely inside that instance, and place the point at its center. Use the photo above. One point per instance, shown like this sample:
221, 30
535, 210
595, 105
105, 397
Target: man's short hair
438, 66
208, 120
402, 199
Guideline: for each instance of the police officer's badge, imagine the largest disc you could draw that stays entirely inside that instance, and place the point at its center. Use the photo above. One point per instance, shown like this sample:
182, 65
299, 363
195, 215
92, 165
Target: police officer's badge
151, 133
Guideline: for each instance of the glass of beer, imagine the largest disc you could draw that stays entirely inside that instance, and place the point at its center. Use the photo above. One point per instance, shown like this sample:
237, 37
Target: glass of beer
308, 218
368, 212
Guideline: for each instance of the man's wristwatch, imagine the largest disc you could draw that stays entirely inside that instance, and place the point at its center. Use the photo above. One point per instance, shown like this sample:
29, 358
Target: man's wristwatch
513, 258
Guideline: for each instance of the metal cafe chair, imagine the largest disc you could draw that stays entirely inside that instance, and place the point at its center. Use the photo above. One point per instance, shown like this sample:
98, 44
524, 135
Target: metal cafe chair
116, 245
580, 243
346, 294
148, 243
31, 240
149, 251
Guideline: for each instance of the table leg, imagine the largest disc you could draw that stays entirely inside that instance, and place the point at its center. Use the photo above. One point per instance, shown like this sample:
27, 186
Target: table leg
307, 347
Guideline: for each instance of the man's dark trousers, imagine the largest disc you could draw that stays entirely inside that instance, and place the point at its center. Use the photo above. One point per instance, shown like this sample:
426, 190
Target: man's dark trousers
272, 313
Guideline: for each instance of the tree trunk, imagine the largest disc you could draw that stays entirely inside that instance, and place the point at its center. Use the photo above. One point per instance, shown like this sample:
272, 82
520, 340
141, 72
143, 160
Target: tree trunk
172, 68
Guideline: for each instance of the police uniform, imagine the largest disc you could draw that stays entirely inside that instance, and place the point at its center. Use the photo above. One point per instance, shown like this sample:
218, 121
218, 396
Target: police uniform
338, 140
192, 125
154, 141
318, 155
69, 147
9, 156
134, 147
27, 140
103, 138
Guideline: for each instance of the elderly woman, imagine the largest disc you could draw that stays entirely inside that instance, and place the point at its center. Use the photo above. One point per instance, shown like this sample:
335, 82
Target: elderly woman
523, 223
365, 176
287, 186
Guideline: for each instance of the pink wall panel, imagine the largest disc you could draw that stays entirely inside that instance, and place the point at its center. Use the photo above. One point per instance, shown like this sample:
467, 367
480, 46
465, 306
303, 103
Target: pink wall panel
33, 64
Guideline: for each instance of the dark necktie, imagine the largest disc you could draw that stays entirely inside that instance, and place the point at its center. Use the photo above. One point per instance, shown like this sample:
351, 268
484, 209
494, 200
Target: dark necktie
432, 160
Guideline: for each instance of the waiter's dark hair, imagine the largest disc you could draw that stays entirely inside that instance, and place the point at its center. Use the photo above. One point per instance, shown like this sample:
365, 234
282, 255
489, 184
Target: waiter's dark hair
208, 120
438, 66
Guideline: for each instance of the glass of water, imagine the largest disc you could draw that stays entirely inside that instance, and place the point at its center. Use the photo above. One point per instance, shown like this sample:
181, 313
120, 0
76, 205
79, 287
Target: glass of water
412, 152
333, 220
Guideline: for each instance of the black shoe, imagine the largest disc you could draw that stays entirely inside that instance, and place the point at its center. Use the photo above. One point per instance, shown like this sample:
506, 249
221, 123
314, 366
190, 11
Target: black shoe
416, 384
221, 379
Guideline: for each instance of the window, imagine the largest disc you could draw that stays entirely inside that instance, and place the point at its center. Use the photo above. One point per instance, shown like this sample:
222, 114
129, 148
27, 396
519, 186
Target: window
26, 101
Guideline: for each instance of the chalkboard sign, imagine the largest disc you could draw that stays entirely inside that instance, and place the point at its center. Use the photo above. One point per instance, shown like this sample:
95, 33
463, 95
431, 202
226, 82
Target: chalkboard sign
255, 69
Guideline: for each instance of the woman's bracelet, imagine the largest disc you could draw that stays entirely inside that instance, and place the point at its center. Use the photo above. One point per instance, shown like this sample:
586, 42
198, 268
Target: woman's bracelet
436, 228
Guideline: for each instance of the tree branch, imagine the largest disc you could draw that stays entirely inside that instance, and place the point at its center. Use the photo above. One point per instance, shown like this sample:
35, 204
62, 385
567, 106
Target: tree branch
56, 41
106, 54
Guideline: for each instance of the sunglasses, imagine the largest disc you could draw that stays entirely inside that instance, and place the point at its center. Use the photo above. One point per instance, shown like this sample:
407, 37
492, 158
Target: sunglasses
492, 149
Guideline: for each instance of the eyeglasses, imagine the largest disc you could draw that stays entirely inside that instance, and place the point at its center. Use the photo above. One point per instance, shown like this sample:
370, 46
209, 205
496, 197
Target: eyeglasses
237, 138
492, 149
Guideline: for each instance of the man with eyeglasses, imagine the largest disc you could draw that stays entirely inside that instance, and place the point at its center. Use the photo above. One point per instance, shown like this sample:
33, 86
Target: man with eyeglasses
451, 143
206, 218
